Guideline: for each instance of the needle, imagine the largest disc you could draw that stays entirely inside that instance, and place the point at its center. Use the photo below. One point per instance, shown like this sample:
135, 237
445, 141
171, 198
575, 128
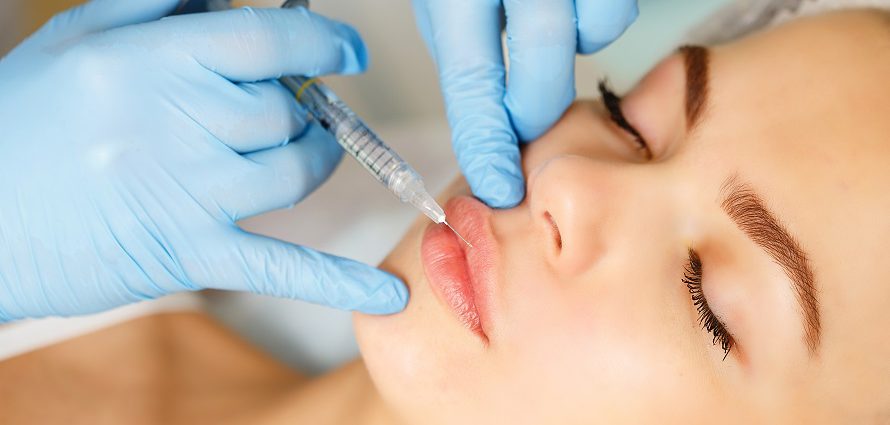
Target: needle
458, 234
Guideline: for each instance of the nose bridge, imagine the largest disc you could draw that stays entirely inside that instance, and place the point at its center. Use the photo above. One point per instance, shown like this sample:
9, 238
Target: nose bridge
565, 183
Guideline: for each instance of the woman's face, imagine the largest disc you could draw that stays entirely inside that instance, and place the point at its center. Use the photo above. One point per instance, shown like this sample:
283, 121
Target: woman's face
762, 213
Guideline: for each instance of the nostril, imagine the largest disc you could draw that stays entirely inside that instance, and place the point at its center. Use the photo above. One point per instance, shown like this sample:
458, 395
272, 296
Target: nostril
557, 237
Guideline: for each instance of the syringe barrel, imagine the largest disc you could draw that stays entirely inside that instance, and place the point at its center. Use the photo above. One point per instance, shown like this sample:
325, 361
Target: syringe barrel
351, 133
362, 144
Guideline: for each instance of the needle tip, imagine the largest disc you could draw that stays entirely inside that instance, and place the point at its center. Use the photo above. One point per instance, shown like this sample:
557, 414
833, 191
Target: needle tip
458, 234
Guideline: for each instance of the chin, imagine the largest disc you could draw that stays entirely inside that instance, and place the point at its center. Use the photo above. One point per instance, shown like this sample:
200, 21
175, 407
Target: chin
422, 359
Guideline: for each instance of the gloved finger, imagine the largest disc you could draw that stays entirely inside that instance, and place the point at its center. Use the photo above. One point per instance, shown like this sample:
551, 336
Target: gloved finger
281, 177
262, 265
466, 41
542, 38
100, 15
260, 44
600, 22
249, 117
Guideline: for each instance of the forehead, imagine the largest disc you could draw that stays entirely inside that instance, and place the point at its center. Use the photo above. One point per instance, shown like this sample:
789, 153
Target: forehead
803, 111
803, 108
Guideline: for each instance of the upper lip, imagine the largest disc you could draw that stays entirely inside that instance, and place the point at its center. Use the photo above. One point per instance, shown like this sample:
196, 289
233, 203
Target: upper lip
464, 279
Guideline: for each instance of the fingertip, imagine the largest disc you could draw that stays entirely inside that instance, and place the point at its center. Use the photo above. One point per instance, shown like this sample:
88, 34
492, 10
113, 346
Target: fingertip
586, 47
600, 24
532, 119
531, 131
499, 185
389, 297
353, 51
634, 13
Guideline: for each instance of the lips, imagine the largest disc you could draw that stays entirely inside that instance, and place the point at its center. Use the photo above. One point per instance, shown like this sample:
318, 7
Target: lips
460, 276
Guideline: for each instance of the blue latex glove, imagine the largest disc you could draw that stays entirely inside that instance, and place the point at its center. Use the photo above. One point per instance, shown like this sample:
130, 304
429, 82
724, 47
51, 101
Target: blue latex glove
464, 37
131, 145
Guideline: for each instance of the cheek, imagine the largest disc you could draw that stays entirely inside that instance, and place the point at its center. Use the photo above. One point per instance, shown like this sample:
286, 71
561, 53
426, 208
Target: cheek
587, 343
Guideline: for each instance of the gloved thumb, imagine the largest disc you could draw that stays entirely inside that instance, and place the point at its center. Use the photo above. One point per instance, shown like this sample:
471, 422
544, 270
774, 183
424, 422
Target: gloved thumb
101, 15
267, 266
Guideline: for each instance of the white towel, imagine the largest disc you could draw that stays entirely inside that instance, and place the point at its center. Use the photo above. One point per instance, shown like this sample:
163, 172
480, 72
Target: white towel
741, 17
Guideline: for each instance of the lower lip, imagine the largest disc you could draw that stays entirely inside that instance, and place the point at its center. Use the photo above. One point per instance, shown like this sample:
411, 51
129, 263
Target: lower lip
461, 276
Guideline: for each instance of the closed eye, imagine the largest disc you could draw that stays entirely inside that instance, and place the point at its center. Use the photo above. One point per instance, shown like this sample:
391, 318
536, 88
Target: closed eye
706, 317
612, 102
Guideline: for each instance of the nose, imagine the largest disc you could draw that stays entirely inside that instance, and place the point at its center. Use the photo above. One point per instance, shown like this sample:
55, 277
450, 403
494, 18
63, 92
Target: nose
574, 202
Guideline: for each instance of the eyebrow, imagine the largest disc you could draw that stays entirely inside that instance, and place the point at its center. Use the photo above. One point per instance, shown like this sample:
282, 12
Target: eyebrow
751, 215
696, 60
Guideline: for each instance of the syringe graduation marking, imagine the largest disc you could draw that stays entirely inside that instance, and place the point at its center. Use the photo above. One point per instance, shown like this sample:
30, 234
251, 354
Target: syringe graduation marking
363, 145
336, 118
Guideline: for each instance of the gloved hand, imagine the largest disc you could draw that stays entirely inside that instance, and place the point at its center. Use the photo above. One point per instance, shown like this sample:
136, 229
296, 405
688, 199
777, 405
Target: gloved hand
131, 145
464, 37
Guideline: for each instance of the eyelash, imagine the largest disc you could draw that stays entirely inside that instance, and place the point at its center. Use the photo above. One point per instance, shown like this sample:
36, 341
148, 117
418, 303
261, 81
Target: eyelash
612, 102
706, 318
692, 276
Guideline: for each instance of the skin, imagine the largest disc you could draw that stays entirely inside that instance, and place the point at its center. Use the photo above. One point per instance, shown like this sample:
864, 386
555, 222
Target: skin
601, 330
181, 368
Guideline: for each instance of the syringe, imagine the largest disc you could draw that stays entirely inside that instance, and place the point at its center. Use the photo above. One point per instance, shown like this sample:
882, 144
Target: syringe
362, 144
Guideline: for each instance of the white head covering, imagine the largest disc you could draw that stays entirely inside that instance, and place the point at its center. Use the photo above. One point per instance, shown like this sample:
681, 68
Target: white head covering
741, 17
